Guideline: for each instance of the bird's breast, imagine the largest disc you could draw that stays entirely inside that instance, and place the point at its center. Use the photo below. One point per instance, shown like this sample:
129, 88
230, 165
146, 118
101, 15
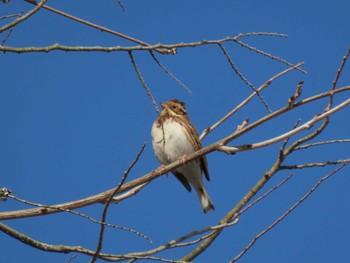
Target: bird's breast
170, 141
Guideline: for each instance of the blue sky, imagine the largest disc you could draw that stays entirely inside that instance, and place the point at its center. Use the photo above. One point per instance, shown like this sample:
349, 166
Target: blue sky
73, 122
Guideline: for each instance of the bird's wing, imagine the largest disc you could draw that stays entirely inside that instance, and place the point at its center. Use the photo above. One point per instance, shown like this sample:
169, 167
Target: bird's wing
198, 145
204, 166
194, 139
183, 180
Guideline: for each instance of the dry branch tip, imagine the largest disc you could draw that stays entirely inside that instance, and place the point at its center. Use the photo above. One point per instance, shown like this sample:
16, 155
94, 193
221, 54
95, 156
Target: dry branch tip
4, 193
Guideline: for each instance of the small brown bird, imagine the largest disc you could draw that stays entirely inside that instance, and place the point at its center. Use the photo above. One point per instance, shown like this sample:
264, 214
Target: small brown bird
174, 137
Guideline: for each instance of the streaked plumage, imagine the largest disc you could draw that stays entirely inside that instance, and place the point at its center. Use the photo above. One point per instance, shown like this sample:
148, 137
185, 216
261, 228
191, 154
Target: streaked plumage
173, 136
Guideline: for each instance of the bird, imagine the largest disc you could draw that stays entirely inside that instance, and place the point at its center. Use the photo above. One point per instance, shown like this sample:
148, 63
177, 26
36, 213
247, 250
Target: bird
173, 138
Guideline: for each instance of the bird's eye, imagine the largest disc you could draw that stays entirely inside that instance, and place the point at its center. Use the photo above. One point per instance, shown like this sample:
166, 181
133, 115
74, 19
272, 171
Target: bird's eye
174, 107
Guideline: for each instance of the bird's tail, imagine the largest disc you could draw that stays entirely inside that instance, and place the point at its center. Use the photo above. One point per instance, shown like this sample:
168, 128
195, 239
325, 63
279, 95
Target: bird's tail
204, 199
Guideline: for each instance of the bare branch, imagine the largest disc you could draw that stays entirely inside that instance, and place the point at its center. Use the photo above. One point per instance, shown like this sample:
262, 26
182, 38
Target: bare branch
322, 95
162, 48
9, 195
311, 165
11, 29
265, 195
177, 242
128, 194
85, 22
287, 140
297, 93
121, 5
22, 18
246, 101
305, 146
305, 126
284, 215
42, 246
266, 54
340, 69
69, 249
4, 194
71, 258
244, 79
261, 34
9, 16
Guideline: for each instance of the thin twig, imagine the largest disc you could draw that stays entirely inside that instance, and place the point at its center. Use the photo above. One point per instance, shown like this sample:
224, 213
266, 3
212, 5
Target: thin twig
261, 34
177, 242
10, 16
143, 83
288, 138
311, 165
340, 69
168, 72
11, 29
105, 209
7, 36
305, 146
244, 79
296, 94
336, 77
121, 5
43, 207
266, 54
322, 95
265, 194
71, 258
235, 69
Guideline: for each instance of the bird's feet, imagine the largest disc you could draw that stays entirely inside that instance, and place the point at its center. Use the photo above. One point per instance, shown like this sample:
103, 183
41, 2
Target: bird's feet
183, 159
160, 170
